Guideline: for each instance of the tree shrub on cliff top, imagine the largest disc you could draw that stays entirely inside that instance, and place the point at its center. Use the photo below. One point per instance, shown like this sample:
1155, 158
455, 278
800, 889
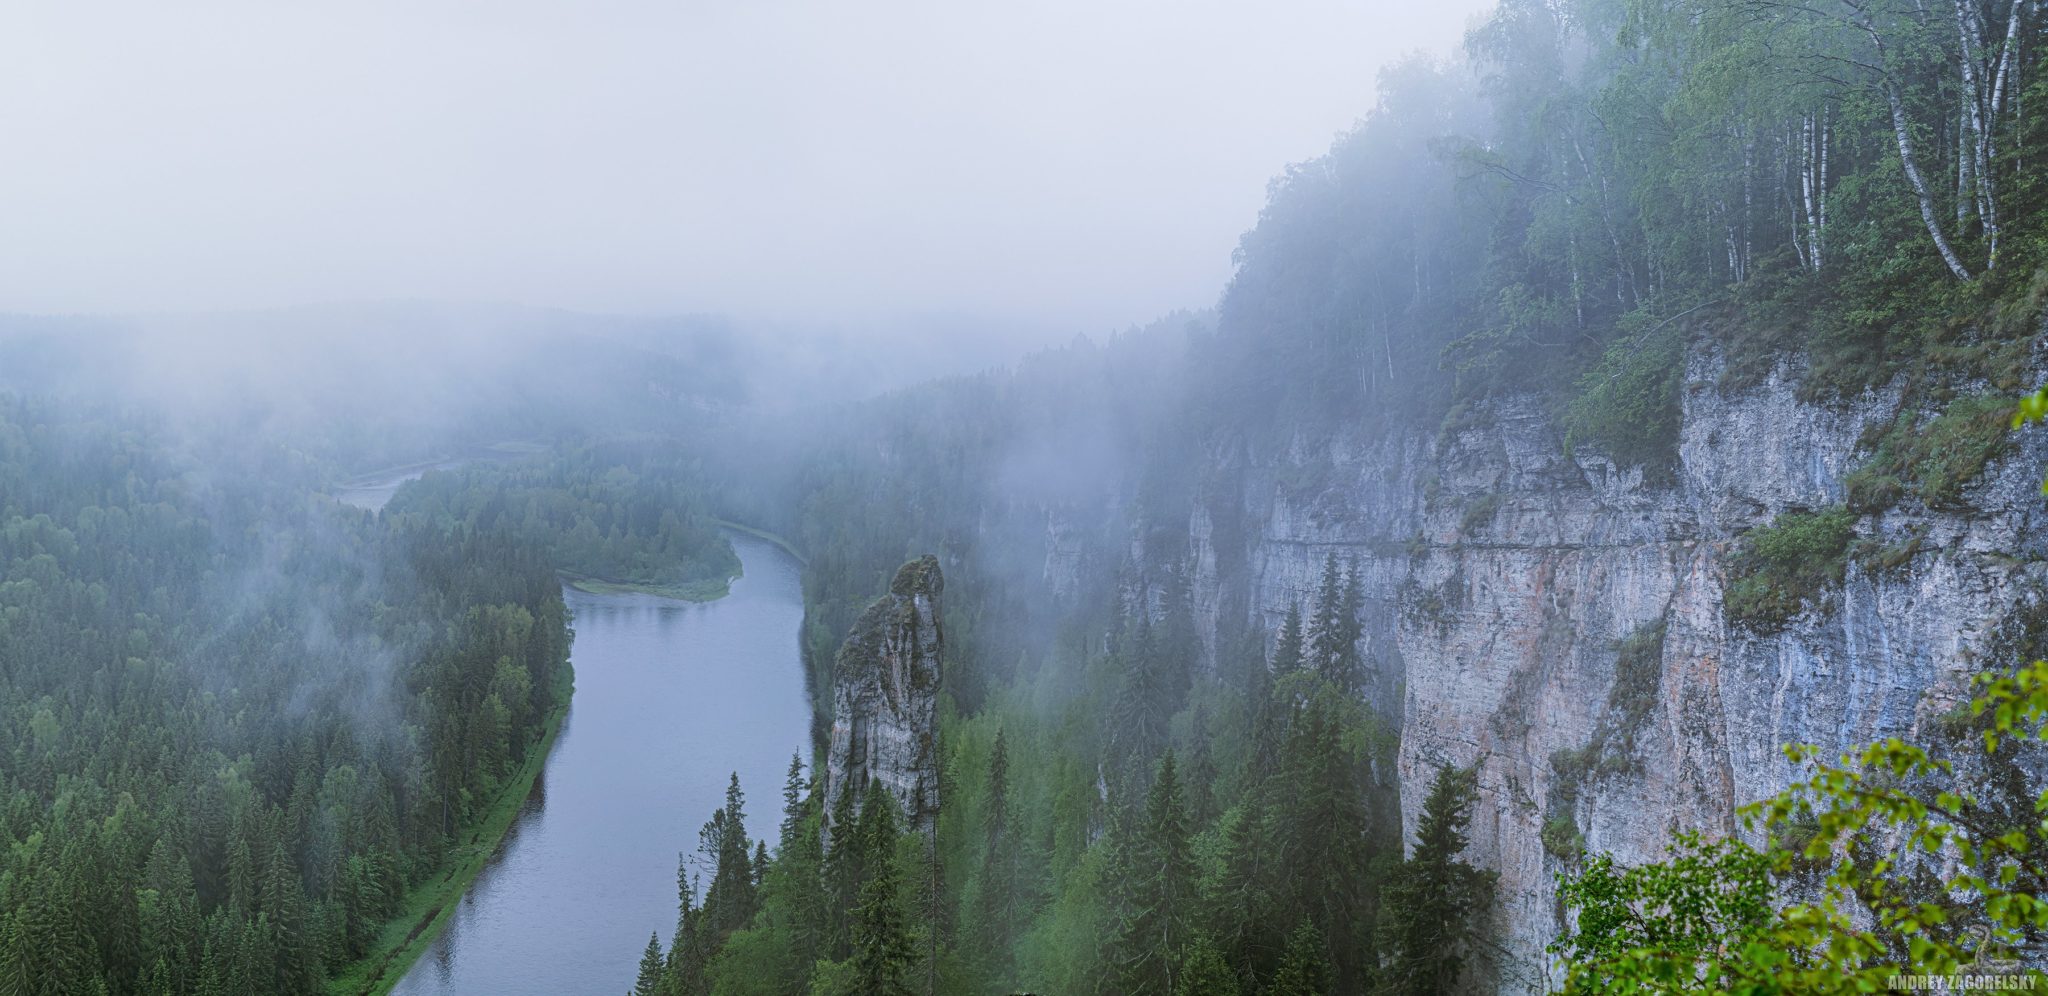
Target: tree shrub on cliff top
1628, 403
1783, 565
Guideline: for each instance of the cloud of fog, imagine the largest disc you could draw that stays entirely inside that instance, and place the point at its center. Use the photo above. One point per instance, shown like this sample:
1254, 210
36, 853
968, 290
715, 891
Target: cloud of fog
1074, 164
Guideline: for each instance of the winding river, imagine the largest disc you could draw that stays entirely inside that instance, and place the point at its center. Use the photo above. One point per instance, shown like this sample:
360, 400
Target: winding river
671, 699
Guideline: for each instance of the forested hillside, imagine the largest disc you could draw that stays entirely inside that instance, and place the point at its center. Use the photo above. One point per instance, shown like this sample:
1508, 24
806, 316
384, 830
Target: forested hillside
1170, 733
605, 515
241, 720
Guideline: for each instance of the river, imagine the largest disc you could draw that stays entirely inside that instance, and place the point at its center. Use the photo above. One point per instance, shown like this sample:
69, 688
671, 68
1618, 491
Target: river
671, 698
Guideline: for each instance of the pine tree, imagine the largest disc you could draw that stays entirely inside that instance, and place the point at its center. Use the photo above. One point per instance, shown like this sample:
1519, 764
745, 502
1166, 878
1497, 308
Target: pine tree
1432, 905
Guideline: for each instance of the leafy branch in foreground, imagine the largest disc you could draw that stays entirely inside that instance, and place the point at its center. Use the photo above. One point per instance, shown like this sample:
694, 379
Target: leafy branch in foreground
1923, 876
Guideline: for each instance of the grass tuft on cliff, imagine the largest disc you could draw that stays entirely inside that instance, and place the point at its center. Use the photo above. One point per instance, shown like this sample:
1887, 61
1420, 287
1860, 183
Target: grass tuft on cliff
1785, 565
1935, 461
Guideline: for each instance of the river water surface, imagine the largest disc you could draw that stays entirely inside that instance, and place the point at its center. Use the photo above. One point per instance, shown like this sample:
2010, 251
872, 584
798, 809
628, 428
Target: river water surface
671, 698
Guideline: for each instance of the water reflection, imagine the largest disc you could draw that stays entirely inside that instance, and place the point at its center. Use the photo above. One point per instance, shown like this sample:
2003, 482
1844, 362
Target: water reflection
670, 698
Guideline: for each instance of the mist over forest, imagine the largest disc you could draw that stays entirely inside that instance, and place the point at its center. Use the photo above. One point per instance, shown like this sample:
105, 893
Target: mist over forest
1312, 498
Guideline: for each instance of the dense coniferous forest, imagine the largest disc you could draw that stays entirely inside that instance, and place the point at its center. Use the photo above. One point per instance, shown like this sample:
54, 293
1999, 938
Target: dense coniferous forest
242, 720
603, 516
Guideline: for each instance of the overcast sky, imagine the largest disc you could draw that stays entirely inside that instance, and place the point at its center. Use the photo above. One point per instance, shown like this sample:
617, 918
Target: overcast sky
1079, 163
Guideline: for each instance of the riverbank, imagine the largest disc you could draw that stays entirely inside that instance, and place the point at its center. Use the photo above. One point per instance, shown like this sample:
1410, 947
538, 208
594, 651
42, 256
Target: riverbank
704, 590
428, 906
763, 534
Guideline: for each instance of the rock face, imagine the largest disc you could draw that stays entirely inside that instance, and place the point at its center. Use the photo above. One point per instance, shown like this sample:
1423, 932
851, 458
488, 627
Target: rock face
885, 697
1507, 580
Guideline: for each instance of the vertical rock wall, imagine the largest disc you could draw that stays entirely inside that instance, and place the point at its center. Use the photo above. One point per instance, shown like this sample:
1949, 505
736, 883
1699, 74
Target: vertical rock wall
1505, 576
885, 697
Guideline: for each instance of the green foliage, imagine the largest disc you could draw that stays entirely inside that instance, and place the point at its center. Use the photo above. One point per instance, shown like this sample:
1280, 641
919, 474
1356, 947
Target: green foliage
1924, 868
1931, 461
1428, 930
609, 518
1479, 513
1560, 834
1783, 566
1638, 675
241, 721
1153, 892
1662, 920
1628, 403
1303, 970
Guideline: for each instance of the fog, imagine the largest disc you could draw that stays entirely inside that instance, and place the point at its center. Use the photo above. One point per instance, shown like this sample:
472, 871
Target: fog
1060, 166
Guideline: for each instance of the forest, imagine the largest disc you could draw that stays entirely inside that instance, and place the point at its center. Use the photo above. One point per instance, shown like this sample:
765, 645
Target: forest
242, 721
607, 517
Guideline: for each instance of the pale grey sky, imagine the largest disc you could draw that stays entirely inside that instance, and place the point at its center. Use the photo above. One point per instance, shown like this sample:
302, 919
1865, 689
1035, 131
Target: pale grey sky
1077, 163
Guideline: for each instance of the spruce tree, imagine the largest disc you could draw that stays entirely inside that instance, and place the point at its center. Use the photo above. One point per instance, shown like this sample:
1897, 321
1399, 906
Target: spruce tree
1431, 908
1322, 835
996, 910
1349, 674
1139, 715
652, 968
845, 869
1327, 629
688, 953
882, 952
1178, 645
1204, 972
1304, 971
1155, 918
730, 902
1241, 909
1288, 652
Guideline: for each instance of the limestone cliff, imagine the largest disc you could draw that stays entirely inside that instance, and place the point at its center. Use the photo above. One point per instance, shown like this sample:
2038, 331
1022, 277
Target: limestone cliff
1510, 580
885, 681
